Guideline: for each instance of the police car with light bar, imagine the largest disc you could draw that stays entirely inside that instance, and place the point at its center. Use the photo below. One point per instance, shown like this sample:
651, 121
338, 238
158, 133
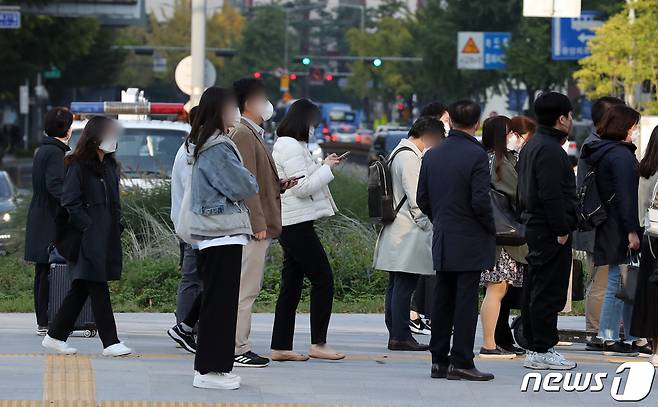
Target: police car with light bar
147, 147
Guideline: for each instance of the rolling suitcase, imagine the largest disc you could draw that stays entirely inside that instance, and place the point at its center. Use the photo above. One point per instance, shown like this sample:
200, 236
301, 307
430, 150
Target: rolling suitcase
60, 284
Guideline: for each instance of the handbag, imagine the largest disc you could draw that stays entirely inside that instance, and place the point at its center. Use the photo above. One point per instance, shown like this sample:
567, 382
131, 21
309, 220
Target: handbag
509, 231
628, 279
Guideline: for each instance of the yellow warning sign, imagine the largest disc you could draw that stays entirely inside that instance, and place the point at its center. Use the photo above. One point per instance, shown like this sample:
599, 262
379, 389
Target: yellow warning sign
470, 47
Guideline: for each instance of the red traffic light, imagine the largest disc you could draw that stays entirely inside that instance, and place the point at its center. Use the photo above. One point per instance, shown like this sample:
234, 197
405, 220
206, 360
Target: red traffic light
329, 77
293, 76
257, 75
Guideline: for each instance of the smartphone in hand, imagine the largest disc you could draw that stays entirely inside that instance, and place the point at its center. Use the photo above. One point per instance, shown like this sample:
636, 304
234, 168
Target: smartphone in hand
344, 155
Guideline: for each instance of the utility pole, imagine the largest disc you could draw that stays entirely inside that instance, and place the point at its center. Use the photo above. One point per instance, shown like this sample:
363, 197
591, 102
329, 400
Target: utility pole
198, 48
630, 89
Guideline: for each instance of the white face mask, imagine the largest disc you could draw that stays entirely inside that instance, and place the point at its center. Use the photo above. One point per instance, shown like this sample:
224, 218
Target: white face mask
513, 143
237, 117
109, 143
635, 135
311, 133
446, 126
266, 110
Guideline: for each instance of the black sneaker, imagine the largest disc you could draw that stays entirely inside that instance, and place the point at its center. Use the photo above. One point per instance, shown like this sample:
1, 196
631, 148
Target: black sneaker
183, 338
498, 353
514, 349
419, 327
42, 330
618, 349
644, 350
594, 346
250, 359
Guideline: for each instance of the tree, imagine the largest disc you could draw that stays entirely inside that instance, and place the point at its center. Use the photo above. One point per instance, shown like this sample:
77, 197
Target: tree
624, 54
528, 59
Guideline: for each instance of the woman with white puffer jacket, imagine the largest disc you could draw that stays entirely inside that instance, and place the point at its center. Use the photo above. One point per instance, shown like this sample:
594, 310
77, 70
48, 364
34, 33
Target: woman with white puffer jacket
303, 254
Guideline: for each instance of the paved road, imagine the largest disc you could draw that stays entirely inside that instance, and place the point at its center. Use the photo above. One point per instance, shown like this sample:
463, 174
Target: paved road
371, 375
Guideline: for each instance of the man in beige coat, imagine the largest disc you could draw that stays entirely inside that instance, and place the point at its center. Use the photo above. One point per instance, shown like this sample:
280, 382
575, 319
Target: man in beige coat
264, 207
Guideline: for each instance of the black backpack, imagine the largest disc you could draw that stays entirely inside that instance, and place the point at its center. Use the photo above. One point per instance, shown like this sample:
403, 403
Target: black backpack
380, 190
591, 210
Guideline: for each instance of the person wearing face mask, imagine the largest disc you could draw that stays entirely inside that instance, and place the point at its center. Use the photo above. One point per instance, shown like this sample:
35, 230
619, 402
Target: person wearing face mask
303, 253
613, 158
547, 202
264, 207
48, 172
502, 145
90, 195
404, 247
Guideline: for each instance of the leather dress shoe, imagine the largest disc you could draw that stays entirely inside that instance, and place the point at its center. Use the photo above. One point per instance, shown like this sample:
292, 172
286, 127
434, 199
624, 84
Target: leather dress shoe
472, 374
439, 371
408, 345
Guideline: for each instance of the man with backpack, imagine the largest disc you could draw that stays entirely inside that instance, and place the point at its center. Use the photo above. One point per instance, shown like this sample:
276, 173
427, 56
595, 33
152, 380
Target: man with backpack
547, 199
404, 246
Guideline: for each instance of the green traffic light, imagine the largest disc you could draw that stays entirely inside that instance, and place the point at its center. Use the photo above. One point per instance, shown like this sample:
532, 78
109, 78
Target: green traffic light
306, 61
377, 62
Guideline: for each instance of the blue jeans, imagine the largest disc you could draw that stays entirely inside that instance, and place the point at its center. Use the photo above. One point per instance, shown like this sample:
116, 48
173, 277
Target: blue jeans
614, 311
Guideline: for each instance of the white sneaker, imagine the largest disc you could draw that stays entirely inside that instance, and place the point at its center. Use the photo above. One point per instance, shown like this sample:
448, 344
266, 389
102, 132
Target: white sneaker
654, 360
58, 346
550, 360
118, 349
212, 380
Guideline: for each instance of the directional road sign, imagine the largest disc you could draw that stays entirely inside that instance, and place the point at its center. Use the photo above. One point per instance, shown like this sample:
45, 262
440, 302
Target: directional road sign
571, 35
482, 50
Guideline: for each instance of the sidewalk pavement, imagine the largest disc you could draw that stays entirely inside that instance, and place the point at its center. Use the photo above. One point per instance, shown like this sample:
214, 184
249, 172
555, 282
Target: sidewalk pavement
371, 375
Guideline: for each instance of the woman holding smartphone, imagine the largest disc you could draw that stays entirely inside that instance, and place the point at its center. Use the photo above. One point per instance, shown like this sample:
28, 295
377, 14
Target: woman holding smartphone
303, 254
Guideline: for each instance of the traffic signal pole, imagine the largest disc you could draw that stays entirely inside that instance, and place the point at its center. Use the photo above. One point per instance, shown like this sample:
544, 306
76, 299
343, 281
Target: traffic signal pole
198, 49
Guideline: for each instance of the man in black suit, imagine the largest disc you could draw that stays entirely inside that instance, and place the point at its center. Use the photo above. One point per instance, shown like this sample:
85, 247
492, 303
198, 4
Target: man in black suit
453, 191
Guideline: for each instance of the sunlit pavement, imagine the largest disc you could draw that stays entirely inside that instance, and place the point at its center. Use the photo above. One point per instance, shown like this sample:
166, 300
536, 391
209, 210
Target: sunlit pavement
371, 375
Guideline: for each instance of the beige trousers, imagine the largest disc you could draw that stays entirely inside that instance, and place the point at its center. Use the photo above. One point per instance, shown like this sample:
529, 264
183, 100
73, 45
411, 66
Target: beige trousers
597, 283
251, 281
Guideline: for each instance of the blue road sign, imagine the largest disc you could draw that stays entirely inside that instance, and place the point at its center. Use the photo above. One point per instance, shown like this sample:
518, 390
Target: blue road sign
10, 19
570, 36
495, 44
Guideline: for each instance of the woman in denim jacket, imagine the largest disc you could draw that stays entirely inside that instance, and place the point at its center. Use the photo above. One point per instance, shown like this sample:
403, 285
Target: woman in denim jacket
215, 220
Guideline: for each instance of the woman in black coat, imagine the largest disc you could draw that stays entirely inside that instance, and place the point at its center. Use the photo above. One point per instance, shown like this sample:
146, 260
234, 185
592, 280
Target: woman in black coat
47, 179
91, 198
613, 160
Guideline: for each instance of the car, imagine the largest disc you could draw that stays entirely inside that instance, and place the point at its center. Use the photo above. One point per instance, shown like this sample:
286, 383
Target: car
385, 141
8, 230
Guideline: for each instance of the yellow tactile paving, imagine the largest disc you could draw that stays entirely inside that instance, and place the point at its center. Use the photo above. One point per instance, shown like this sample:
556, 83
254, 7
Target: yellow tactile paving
20, 403
68, 381
117, 403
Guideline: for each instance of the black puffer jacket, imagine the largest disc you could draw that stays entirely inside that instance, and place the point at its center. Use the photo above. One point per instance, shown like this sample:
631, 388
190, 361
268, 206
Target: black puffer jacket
47, 179
616, 177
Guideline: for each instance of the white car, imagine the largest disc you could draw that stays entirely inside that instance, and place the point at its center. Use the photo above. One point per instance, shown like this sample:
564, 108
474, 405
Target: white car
146, 150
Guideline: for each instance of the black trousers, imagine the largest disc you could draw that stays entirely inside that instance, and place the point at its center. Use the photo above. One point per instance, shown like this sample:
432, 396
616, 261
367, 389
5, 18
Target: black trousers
423, 298
41, 287
397, 304
503, 334
193, 315
455, 314
99, 293
303, 256
546, 283
219, 268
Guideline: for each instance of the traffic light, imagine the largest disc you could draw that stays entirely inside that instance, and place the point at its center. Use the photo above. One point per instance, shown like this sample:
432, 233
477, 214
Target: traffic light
316, 74
306, 61
293, 76
329, 77
258, 75
377, 62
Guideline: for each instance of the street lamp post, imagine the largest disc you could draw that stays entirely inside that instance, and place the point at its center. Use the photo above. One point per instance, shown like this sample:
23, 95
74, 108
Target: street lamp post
360, 7
198, 49
287, 9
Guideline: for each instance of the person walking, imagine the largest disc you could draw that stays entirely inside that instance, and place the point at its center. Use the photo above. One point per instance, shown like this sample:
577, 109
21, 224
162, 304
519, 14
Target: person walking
644, 321
502, 145
547, 200
214, 219
613, 158
90, 196
48, 171
597, 278
303, 253
404, 247
453, 191
264, 207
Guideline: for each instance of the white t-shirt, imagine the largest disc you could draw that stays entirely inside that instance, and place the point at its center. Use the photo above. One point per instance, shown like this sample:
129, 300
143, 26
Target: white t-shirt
223, 241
